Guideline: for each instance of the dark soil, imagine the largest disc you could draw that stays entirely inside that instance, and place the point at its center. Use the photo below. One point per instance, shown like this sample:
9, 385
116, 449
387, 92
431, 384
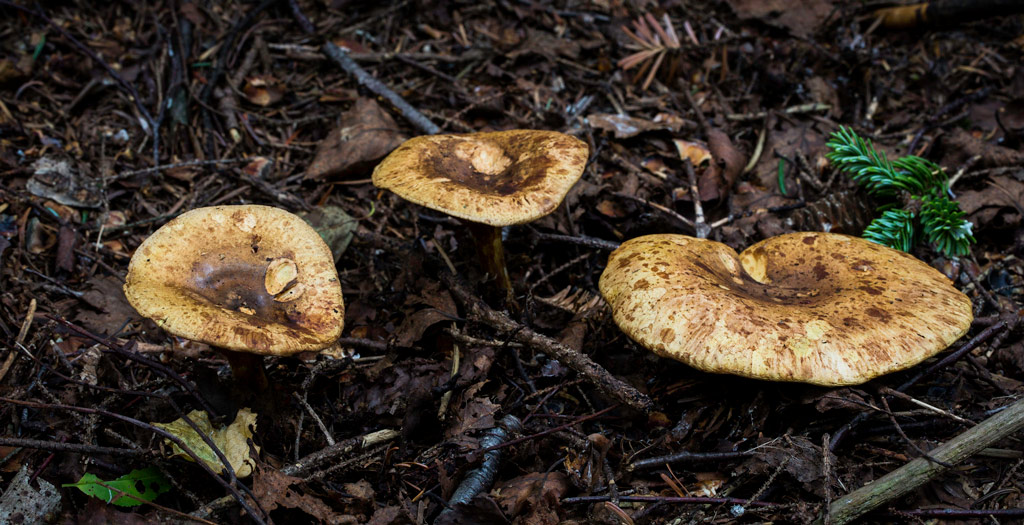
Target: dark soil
117, 117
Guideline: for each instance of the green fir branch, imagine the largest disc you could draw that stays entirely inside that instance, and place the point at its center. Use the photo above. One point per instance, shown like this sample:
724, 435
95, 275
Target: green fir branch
895, 229
940, 220
945, 227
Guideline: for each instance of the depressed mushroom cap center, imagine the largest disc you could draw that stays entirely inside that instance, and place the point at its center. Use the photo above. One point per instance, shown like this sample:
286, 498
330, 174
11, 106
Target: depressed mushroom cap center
811, 307
498, 178
485, 158
249, 278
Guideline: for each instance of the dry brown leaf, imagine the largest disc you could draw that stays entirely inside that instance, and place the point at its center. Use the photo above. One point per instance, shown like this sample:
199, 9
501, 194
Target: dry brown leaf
472, 414
800, 18
112, 309
263, 90
365, 135
624, 126
274, 489
532, 498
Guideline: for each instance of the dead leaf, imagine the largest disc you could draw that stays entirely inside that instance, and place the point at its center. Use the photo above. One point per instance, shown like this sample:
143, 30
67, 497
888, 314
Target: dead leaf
390, 515
964, 145
413, 327
231, 440
472, 414
823, 93
728, 158
611, 208
274, 489
67, 238
800, 18
365, 135
263, 90
335, 226
532, 498
431, 293
787, 141
388, 393
112, 309
1003, 196
696, 151
22, 503
258, 168
624, 126
57, 180
546, 44
797, 456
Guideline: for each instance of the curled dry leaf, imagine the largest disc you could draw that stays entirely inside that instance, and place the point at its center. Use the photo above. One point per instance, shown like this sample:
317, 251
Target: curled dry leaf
365, 135
263, 90
624, 126
532, 498
696, 151
274, 489
231, 440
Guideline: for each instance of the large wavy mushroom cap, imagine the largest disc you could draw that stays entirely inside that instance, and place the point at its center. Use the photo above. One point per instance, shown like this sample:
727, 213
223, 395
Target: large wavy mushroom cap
498, 178
247, 278
818, 308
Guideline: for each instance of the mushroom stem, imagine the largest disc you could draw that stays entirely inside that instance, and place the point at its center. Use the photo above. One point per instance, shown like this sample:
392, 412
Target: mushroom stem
492, 254
247, 370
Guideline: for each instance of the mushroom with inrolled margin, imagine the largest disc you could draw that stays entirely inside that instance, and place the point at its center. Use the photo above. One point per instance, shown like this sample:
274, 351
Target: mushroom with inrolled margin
818, 308
489, 179
248, 280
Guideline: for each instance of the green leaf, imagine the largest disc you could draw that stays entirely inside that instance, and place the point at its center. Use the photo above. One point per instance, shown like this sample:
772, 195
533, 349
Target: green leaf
137, 486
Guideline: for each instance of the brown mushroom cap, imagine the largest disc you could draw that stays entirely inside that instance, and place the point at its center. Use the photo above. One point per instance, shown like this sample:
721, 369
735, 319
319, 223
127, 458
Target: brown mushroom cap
203, 276
818, 308
498, 178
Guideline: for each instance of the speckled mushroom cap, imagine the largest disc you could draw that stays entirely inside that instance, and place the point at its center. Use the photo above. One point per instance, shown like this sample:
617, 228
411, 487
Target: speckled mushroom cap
498, 178
818, 308
204, 276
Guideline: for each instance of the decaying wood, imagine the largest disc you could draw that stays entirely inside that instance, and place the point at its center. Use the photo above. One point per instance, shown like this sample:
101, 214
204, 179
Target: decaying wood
921, 470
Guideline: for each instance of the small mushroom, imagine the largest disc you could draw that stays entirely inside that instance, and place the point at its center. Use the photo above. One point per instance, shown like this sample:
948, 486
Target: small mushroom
249, 280
818, 308
489, 179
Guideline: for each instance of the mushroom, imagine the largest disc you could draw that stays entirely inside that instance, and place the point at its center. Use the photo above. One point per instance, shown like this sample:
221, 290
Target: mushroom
818, 308
249, 280
489, 179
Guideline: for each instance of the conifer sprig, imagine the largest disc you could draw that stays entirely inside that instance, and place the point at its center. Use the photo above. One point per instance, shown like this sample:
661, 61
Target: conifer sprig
911, 178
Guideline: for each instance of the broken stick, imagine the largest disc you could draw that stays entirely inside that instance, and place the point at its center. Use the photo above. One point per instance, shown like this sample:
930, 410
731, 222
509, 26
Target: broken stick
582, 364
921, 470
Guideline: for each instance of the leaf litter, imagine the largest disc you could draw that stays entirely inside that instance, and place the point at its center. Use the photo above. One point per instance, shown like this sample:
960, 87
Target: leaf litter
238, 105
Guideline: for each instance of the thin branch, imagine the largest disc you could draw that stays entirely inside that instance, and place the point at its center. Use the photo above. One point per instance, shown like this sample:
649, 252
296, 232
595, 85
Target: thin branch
921, 470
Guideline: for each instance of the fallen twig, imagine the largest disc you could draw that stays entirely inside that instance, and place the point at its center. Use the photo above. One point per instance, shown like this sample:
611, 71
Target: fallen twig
582, 364
582, 240
973, 343
699, 224
341, 57
78, 448
688, 457
673, 499
921, 470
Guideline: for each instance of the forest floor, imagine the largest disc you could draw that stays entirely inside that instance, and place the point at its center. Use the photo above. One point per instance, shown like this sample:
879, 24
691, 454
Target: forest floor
115, 118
